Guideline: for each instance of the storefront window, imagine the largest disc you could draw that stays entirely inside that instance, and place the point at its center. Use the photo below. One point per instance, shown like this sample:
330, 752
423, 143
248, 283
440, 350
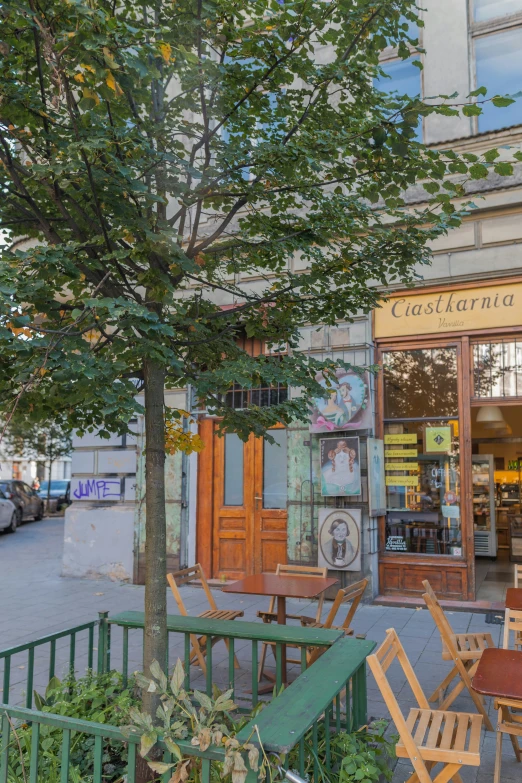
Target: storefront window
497, 369
423, 487
420, 383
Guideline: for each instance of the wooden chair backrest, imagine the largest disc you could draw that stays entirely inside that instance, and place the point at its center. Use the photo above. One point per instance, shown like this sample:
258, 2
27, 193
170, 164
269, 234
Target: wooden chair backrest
518, 575
185, 576
389, 651
441, 621
352, 593
300, 570
512, 624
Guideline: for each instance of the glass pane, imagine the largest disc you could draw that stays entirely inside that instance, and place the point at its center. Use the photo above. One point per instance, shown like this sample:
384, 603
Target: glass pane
423, 488
404, 80
489, 9
420, 383
234, 461
275, 471
481, 494
497, 369
499, 63
413, 27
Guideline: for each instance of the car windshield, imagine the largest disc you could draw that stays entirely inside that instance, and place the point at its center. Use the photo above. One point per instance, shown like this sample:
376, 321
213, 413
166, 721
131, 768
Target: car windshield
5, 488
55, 485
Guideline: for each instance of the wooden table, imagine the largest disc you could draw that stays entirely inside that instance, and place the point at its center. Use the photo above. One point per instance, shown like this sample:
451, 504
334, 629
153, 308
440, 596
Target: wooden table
499, 674
282, 587
514, 598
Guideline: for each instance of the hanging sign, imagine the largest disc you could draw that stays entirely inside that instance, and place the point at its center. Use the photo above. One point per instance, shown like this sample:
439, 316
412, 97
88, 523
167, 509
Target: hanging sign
401, 466
401, 453
459, 310
437, 440
402, 481
401, 438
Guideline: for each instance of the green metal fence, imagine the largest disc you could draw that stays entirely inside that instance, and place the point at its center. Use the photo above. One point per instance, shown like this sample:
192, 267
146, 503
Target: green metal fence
328, 696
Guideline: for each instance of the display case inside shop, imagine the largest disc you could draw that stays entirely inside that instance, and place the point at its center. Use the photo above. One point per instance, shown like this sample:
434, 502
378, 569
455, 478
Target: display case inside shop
483, 479
423, 488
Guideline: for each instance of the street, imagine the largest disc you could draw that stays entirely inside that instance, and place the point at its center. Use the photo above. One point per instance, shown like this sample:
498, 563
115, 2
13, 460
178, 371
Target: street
36, 601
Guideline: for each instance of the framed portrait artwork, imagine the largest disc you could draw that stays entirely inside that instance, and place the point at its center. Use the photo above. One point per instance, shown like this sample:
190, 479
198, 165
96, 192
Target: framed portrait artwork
376, 477
340, 539
345, 405
340, 467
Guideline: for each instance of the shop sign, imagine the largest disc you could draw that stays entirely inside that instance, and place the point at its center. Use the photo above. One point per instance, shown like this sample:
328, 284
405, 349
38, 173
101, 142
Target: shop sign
399, 439
402, 466
460, 310
396, 544
401, 453
437, 440
402, 481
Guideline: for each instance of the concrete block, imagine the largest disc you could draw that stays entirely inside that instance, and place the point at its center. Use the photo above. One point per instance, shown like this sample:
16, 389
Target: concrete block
82, 462
339, 335
129, 494
502, 229
359, 332
91, 439
319, 337
122, 461
98, 542
455, 239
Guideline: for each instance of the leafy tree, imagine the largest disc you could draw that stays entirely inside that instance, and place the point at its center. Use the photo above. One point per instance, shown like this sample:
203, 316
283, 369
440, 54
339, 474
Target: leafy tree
158, 155
42, 442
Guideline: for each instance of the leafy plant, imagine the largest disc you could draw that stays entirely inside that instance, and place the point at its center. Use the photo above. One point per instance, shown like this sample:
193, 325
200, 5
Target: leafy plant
97, 698
362, 756
179, 718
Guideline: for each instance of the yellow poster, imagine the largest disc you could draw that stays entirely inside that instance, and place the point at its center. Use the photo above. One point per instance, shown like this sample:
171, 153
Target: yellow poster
401, 453
401, 466
402, 481
437, 440
457, 310
401, 438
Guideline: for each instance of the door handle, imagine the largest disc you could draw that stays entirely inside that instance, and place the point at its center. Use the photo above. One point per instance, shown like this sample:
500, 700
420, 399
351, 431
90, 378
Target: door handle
257, 499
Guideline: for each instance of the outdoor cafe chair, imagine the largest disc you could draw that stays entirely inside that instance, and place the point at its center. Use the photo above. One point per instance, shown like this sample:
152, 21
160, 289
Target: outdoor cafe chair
426, 737
346, 595
199, 647
270, 615
465, 650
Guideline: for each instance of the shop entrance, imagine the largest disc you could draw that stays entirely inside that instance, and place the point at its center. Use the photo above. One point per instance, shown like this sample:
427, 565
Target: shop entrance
242, 503
496, 472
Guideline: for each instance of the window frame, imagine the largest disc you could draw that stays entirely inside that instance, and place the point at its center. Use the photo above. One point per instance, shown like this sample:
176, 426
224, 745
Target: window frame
478, 30
390, 55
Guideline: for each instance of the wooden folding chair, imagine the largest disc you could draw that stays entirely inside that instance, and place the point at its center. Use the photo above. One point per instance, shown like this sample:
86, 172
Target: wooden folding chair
183, 577
518, 574
427, 737
464, 649
270, 616
512, 624
345, 595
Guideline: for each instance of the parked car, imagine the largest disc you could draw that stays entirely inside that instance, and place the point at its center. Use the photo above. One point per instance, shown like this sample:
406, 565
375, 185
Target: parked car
27, 502
8, 515
60, 494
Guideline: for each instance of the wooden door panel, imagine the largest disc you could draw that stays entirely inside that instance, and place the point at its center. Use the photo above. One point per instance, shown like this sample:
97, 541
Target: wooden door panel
246, 538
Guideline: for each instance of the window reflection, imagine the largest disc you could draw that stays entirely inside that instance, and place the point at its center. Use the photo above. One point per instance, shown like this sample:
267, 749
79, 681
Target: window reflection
234, 463
497, 369
423, 488
498, 63
420, 383
490, 9
275, 488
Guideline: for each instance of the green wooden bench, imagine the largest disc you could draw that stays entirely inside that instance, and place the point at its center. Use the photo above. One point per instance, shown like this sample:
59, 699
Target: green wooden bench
284, 721
231, 630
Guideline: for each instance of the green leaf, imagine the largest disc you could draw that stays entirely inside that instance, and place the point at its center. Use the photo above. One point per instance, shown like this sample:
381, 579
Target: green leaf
477, 92
478, 171
504, 168
172, 747
157, 672
177, 679
471, 110
204, 700
491, 155
159, 766
148, 740
501, 101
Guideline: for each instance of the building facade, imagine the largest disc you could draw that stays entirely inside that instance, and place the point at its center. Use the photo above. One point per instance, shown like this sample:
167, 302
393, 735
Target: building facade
446, 404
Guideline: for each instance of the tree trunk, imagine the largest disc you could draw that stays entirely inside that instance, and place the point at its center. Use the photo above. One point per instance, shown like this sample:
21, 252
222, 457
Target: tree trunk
155, 644
48, 501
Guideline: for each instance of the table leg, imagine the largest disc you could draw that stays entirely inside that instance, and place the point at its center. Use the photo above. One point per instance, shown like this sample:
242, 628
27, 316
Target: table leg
498, 749
281, 620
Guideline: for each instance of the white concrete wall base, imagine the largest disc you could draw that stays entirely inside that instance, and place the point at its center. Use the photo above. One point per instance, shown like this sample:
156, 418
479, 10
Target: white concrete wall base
98, 542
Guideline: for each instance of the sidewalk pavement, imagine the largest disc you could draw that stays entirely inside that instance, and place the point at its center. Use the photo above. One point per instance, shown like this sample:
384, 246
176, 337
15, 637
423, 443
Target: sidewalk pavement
37, 601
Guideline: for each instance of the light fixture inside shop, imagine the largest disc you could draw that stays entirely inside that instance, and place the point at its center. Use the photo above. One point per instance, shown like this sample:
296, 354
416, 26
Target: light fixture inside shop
490, 416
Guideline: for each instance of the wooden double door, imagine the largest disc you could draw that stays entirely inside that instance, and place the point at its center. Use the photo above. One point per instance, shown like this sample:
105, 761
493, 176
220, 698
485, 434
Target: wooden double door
249, 504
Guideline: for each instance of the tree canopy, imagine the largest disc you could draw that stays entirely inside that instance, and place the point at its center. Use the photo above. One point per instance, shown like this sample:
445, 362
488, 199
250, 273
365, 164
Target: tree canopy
170, 159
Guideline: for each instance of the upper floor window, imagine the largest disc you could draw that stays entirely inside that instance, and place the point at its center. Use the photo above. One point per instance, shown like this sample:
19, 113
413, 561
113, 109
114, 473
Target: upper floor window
497, 43
404, 79
492, 9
